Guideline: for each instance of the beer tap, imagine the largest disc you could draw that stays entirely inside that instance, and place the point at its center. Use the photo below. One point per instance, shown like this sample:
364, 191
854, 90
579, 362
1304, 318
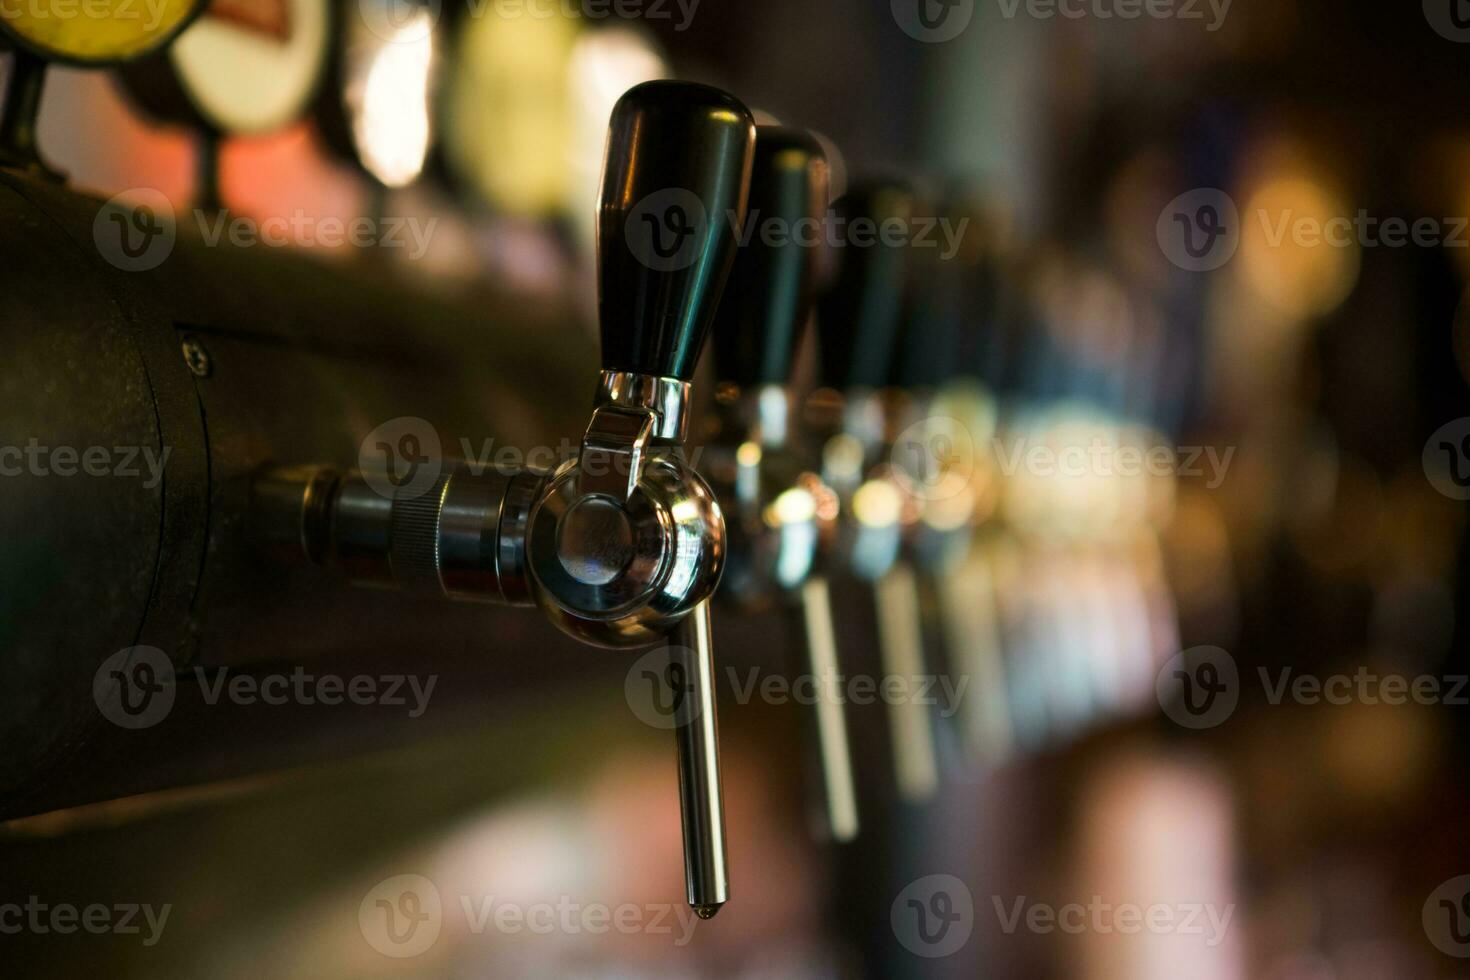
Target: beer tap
624, 544
775, 500
860, 317
946, 421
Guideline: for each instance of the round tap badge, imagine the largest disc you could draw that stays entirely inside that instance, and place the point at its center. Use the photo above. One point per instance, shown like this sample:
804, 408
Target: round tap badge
99, 32
246, 66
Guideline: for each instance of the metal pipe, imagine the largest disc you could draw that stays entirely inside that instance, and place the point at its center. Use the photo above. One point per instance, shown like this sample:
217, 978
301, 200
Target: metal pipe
701, 800
831, 723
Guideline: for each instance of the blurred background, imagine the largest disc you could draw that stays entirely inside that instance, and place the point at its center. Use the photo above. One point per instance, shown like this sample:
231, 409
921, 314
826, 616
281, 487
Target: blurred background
1216, 719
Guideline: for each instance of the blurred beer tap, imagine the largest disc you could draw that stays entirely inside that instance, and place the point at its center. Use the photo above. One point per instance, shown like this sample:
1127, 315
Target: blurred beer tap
624, 544
938, 419
861, 314
775, 501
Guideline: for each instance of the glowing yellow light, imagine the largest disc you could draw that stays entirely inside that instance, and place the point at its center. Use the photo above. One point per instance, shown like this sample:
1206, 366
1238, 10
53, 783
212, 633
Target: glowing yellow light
392, 128
604, 64
877, 503
795, 506
748, 455
508, 127
1301, 252
843, 457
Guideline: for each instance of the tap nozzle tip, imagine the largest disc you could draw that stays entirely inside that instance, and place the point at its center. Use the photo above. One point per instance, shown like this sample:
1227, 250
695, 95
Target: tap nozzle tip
707, 911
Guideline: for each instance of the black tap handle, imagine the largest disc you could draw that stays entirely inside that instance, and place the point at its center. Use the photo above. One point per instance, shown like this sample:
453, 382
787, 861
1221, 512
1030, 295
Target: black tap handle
937, 320
770, 294
674, 187
861, 311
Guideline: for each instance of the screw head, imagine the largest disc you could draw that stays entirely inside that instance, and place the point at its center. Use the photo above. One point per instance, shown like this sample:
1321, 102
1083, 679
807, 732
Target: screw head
196, 357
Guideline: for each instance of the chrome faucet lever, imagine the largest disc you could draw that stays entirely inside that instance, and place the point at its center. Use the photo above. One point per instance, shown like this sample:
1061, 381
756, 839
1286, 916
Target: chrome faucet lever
623, 544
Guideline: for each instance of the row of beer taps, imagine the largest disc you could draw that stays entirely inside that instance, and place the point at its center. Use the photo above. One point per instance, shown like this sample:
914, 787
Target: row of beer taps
866, 478
880, 475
